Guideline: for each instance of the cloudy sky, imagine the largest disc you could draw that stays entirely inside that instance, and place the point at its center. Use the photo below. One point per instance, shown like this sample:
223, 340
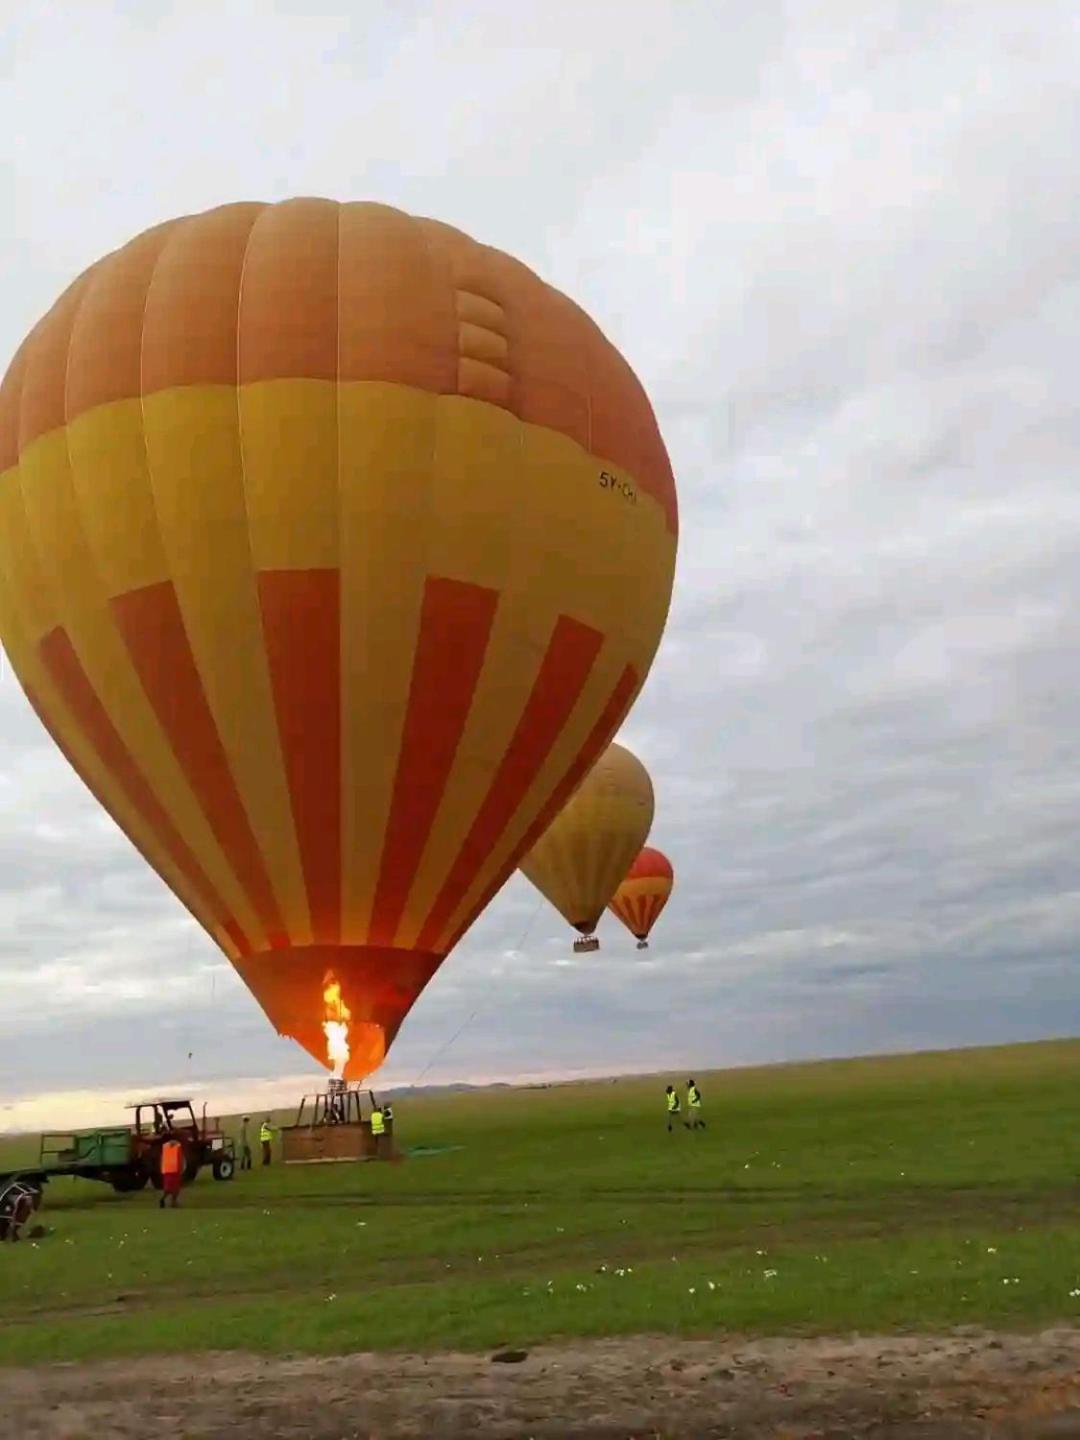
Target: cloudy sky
840, 243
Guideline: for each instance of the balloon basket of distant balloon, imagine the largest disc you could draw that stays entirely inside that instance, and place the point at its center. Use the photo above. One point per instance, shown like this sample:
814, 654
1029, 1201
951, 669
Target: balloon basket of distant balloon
331, 1128
586, 946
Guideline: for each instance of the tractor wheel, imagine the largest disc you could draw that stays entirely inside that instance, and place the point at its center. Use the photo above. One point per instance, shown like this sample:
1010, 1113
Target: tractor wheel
224, 1167
192, 1165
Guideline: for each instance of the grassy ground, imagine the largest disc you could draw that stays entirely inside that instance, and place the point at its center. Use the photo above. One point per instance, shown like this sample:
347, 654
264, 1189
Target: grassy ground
917, 1192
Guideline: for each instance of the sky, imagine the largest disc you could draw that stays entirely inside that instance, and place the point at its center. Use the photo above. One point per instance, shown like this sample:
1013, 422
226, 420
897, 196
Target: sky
840, 245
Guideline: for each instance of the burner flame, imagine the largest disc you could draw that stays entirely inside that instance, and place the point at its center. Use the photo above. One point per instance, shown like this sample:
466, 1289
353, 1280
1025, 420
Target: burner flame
336, 1027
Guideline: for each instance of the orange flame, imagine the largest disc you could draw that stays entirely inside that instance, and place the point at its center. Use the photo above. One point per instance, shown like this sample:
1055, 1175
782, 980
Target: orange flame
336, 1026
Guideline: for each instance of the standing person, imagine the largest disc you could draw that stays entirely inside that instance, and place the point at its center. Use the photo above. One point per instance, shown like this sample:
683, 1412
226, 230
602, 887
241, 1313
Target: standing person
172, 1173
266, 1139
673, 1108
378, 1127
245, 1144
693, 1105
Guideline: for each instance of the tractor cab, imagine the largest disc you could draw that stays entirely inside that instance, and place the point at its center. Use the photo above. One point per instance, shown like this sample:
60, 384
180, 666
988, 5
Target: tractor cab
157, 1121
167, 1119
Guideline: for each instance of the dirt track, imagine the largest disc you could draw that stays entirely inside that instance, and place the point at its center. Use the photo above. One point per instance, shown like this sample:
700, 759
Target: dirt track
919, 1388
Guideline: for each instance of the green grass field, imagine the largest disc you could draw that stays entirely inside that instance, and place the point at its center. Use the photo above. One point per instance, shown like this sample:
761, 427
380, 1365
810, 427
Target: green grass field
910, 1193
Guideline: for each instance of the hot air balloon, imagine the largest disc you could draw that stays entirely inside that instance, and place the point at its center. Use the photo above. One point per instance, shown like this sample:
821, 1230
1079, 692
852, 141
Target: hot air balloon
334, 547
643, 894
578, 862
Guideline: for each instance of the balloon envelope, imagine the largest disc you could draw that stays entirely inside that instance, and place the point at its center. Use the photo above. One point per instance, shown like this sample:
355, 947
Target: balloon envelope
586, 851
643, 894
334, 547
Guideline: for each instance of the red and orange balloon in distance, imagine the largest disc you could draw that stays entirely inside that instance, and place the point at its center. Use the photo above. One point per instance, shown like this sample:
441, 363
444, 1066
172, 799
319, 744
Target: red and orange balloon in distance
334, 548
642, 896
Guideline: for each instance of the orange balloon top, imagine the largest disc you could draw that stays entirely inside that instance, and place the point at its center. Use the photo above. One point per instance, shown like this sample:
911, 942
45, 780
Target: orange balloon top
330, 291
651, 865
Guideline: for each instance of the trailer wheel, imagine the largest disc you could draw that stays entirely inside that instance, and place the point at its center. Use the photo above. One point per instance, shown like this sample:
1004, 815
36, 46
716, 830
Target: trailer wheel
128, 1182
224, 1167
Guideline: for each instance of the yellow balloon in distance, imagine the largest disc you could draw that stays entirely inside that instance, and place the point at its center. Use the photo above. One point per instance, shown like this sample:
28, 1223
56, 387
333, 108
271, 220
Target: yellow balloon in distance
334, 548
582, 858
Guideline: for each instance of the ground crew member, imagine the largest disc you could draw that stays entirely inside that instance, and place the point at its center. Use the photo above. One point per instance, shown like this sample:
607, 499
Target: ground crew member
266, 1136
693, 1104
378, 1128
172, 1173
245, 1144
673, 1108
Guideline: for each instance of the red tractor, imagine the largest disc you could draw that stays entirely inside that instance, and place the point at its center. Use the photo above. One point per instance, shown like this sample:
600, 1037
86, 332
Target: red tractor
159, 1120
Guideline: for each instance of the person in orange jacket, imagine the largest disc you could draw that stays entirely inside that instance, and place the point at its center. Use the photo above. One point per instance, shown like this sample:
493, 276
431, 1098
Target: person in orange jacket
172, 1173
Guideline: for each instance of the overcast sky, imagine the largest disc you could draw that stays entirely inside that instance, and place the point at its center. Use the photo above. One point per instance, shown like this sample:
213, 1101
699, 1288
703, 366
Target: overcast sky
840, 244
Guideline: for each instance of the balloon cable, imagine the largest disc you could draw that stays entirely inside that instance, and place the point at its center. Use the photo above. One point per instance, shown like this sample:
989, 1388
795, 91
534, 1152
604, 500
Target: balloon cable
481, 1004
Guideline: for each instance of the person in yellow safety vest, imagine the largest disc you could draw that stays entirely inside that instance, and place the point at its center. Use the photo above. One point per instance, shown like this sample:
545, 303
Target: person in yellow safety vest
673, 1107
693, 1104
266, 1137
378, 1127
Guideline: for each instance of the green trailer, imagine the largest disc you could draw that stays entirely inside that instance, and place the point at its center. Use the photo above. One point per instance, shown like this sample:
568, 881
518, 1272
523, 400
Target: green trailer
109, 1155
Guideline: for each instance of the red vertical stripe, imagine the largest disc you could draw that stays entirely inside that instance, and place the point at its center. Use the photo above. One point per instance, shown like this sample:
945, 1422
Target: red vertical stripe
567, 663
153, 630
633, 916
639, 920
455, 625
644, 914
59, 658
600, 736
301, 624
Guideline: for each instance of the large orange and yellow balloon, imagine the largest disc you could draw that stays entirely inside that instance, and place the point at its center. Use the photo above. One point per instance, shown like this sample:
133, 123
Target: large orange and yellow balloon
578, 862
643, 894
334, 547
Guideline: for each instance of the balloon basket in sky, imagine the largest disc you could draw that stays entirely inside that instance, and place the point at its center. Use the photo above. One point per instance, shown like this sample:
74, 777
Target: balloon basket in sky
335, 548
